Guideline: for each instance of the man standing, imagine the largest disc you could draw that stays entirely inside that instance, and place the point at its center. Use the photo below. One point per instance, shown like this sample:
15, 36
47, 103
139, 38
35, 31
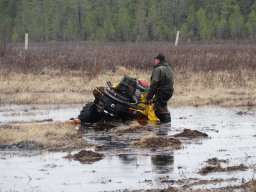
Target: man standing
161, 86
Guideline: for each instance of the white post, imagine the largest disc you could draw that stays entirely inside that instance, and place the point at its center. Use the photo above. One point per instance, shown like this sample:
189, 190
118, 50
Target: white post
177, 38
26, 41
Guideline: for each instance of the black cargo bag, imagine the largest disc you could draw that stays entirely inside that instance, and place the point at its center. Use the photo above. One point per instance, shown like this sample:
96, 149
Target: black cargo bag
127, 86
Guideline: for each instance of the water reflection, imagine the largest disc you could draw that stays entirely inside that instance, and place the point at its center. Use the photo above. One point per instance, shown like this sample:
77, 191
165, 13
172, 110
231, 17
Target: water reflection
128, 158
163, 163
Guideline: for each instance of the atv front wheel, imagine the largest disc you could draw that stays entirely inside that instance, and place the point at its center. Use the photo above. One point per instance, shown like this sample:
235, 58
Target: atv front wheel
89, 114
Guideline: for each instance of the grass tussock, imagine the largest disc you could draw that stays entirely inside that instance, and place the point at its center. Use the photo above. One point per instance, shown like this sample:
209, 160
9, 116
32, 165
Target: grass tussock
153, 141
52, 136
134, 126
251, 185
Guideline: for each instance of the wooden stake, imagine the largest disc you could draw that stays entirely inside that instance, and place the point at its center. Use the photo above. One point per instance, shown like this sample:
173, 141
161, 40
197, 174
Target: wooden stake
26, 41
177, 38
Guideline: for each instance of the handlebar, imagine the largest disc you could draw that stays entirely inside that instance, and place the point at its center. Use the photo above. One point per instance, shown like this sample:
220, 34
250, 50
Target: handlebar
110, 84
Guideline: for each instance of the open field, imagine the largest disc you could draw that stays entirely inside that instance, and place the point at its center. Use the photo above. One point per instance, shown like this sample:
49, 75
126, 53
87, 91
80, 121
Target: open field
222, 74
201, 88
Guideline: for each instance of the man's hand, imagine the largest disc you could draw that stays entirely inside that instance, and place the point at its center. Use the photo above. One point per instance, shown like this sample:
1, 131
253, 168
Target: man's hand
146, 102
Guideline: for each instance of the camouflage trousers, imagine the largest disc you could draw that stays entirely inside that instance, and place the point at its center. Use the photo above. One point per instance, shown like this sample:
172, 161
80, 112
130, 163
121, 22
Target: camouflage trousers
161, 109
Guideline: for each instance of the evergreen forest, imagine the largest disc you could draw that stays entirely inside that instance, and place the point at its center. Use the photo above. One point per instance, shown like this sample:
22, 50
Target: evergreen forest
127, 20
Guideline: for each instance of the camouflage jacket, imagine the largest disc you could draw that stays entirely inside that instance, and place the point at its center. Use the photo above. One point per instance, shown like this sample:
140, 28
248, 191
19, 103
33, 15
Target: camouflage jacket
162, 80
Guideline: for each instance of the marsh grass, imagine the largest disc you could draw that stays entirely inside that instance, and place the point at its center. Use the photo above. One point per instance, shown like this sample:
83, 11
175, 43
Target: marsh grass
93, 58
222, 74
128, 128
201, 88
53, 136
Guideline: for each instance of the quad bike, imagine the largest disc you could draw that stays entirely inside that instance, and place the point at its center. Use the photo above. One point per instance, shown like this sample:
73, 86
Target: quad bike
123, 101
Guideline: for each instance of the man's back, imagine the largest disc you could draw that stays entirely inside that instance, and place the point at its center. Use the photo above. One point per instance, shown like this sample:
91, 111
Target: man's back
166, 77
161, 80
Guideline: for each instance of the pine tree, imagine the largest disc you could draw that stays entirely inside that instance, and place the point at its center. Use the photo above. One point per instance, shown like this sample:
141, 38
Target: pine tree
126, 20
236, 23
123, 25
203, 29
251, 25
140, 25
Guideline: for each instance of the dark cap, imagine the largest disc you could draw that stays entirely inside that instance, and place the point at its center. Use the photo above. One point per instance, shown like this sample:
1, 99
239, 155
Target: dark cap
160, 56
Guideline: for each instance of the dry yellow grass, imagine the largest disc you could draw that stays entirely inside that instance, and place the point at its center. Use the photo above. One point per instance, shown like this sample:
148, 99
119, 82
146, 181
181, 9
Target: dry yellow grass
147, 136
201, 88
220, 88
53, 136
46, 98
73, 81
123, 128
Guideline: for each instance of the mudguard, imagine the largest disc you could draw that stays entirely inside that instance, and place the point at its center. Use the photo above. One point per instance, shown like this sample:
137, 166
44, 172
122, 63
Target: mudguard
148, 109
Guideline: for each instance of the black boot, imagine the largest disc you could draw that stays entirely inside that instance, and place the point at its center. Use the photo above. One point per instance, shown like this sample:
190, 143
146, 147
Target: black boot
164, 117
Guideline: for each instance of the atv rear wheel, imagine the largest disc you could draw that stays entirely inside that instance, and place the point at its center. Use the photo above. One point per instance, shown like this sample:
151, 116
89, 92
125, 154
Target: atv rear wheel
89, 114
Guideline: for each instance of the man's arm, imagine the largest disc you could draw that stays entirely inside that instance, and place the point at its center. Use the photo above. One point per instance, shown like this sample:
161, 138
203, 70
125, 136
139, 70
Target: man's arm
153, 84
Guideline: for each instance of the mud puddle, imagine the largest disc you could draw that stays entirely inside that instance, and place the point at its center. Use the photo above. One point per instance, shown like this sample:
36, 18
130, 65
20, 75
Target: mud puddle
229, 148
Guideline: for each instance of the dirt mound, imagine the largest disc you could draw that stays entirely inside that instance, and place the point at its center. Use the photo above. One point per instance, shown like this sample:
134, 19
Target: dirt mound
86, 156
153, 141
215, 161
218, 168
191, 133
22, 145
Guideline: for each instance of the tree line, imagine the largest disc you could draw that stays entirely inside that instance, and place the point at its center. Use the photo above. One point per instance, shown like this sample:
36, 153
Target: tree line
127, 20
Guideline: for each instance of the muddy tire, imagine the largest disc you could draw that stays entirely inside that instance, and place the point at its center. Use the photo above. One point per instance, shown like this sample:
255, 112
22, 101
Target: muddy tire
89, 114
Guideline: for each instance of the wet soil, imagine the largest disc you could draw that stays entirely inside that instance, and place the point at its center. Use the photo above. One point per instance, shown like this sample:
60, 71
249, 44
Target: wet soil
190, 134
246, 187
85, 156
169, 189
22, 145
155, 142
219, 168
215, 161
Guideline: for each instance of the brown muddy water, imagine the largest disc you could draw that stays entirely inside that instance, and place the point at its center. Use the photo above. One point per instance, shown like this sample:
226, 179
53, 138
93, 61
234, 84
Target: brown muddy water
231, 140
